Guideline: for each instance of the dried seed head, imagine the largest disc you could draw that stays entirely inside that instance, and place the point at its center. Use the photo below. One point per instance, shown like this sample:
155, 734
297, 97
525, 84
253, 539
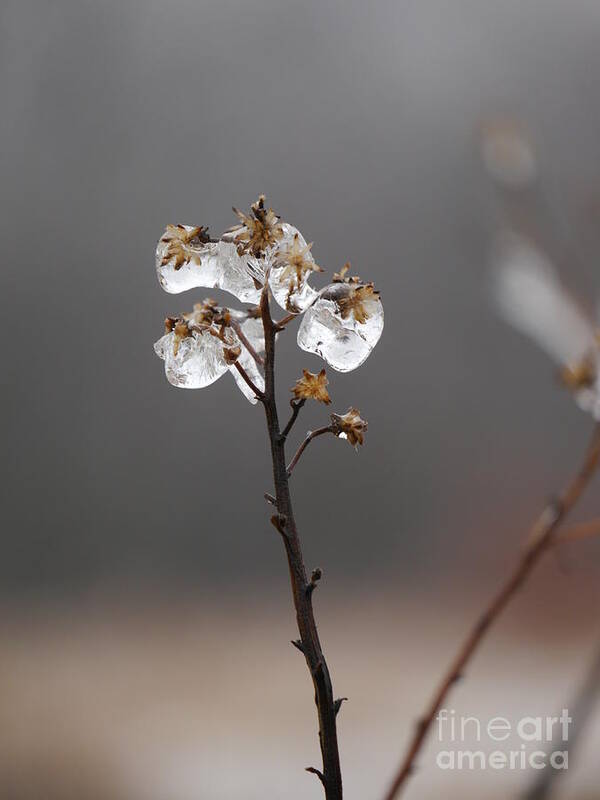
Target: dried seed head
181, 331
312, 387
231, 354
258, 230
349, 426
184, 244
343, 277
358, 301
296, 259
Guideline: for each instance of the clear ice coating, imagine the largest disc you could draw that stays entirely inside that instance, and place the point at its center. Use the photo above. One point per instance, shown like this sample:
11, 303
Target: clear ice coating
213, 265
343, 325
197, 363
198, 359
252, 330
291, 292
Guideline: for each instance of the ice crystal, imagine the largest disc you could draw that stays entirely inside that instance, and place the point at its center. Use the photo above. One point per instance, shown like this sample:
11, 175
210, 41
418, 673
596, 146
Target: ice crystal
201, 346
531, 297
343, 325
292, 265
186, 261
193, 362
276, 251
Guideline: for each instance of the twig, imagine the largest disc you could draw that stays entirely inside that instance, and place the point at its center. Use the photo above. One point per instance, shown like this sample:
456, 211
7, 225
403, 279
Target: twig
584, 530
296, 406
541, 537
249, 381
309, 643
312, 435
580, 711
244, 340
281, 323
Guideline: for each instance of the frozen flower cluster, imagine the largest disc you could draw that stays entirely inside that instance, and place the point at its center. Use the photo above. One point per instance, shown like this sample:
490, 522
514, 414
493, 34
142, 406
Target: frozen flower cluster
341, 323
531, 296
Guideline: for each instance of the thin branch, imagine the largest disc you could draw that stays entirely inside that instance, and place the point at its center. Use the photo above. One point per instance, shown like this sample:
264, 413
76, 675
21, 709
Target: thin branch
542, 536
296, 406
580, 711
584, 530
312, 435
281, 323
309, 643
259, 395
244, 340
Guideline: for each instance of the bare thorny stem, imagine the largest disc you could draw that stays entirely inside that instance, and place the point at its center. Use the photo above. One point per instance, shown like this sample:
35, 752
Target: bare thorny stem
309, 644
543, 535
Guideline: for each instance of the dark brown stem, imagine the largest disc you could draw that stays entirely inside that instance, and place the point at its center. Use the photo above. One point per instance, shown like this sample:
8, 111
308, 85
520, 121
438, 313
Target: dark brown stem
296, 406
542, 536
244, 340
259, 395
309, 639
312, 435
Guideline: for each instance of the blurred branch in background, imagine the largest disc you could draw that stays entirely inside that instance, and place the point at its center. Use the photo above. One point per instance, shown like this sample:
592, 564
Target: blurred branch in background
541, 537
581, 709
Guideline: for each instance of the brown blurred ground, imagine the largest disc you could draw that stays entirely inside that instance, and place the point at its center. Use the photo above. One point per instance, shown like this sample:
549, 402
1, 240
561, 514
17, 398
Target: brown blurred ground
134, 698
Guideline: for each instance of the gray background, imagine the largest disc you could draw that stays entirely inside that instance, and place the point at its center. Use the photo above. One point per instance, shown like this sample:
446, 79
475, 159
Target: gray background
144, 607
360, 123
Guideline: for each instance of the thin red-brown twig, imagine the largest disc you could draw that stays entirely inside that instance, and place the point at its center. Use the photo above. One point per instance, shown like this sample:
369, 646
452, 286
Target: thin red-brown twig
583, 530
259, 395
281, 323
581, 708
296, 407
302, 588
312, 435
542, 536
245, 341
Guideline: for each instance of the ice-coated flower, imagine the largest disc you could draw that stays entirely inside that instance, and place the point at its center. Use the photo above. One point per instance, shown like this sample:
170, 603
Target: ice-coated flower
349, 426
182, 243
312, 386
187, 258
199, 347
344, 323
531, 297
257, 231
275, 251
292, 265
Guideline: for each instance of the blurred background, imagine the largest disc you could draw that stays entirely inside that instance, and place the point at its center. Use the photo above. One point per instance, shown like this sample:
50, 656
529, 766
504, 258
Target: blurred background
145, 610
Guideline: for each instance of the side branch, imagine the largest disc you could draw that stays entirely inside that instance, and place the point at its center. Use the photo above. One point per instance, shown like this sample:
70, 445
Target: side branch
542, 536
312, 435
259, 395
246, 342
296, 406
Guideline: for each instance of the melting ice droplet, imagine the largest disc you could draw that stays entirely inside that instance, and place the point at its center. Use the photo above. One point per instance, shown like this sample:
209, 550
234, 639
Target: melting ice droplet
343, 325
